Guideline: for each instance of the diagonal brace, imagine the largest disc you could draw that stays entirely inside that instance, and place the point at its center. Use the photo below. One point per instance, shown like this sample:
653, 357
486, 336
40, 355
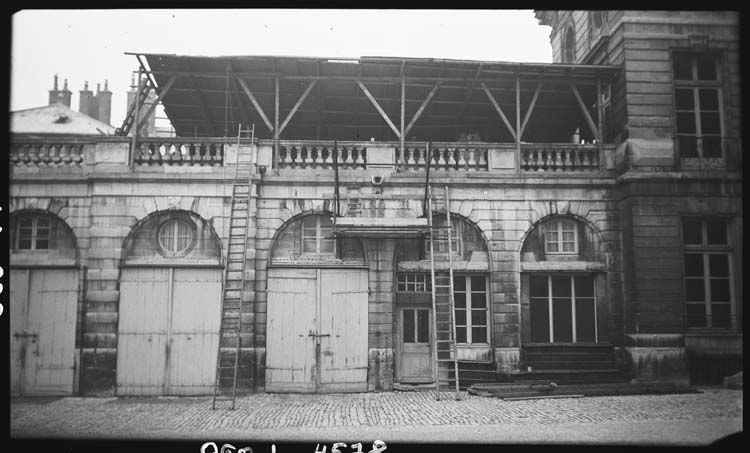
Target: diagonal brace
255, 104
296, 106
380, 109
592, 125
422, 107
531, 108
144, 116
500, 111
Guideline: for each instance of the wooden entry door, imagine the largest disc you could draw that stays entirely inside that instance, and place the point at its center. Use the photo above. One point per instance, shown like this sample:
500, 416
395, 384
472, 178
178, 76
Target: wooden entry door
168, 331
316, 336
415, 358
42, 335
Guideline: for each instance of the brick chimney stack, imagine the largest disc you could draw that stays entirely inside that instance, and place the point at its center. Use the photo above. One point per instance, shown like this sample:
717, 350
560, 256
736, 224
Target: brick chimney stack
88, 103
62, 96
104, 101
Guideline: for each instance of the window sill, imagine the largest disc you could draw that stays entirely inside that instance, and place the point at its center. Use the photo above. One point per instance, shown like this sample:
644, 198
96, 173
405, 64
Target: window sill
557, 266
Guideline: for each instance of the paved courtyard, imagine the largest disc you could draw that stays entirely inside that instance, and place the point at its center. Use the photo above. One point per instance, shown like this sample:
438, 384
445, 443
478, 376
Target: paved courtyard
686, 419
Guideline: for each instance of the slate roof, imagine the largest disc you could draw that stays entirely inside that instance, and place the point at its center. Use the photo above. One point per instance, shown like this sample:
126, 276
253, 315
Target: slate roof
56, 119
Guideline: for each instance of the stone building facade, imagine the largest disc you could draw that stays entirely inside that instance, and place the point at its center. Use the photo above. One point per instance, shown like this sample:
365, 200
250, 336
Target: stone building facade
609, 219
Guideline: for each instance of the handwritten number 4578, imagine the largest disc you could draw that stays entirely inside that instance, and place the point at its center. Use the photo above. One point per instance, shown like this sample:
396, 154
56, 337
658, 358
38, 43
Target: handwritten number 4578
377, 447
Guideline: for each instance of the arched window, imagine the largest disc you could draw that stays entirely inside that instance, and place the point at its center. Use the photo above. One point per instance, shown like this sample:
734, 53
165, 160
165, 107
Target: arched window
569, 45
176, 235
310, 239
36, 231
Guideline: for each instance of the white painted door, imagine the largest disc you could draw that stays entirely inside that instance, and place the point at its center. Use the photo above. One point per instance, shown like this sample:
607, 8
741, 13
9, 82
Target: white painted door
316, 337
343, 330
415, 359
168, 331
42, 334
291, 325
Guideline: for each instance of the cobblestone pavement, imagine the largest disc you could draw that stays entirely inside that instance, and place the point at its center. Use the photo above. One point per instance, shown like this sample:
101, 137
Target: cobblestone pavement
415, 416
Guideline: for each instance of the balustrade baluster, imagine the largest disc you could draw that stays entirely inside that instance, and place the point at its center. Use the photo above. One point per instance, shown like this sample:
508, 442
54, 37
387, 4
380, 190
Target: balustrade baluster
451, 161
567, 163
297, 156
472, 161
482, 158
461, 162
410, 158
54, 154
318, 150
559, 160
349, 160
440, 160
421, 156
360, 153
65, 154
329, 156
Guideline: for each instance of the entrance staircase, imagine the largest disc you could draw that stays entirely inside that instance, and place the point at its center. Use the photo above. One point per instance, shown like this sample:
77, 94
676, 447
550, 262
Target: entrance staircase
569, 363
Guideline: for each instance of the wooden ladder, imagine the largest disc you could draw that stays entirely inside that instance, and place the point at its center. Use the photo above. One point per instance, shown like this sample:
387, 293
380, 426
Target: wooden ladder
233, 287
129, 120
443, 323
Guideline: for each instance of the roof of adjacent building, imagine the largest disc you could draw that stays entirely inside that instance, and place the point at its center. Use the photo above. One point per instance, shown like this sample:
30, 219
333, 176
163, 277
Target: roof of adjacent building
56, 119
207, 96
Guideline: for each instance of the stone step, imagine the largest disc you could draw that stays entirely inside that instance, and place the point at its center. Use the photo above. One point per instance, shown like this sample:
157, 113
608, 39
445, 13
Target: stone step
571, 376
568, 365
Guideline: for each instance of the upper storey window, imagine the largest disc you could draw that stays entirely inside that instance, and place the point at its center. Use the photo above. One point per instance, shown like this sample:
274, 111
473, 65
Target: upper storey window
698, 105
561, 237
569, 45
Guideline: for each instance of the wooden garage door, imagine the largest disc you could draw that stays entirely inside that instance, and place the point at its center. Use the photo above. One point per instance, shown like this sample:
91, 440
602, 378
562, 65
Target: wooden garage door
168, 331
317, 330
42, 335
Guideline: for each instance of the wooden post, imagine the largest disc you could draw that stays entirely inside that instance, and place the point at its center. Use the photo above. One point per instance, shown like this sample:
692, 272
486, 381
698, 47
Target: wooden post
276, 128
403, 101
600, 137
136, 99
157, 101
518, 120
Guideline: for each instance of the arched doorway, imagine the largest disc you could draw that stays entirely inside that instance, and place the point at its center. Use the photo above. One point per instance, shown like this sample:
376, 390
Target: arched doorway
44, 286
170, 307
317, 323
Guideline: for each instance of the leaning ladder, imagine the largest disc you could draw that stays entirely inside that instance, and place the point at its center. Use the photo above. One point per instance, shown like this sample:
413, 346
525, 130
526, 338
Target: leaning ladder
443, 304
129, 120
228, 364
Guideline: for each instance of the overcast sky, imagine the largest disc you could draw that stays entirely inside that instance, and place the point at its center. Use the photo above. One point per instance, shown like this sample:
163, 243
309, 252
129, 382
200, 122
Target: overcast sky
89, 45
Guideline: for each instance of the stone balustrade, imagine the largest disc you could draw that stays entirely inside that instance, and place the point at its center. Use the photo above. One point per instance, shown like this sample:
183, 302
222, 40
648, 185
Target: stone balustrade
320, 154
171, 151
445, 156
552, 157
57, 153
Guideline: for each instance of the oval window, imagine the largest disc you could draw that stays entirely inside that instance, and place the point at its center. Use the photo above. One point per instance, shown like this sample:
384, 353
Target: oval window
175, 236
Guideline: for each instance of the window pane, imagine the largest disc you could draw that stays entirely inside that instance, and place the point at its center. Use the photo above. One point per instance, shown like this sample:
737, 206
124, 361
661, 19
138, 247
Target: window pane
585, 330
479, 335
712, 146
478, 300
478, 317
696, 315
408, 326
721, 315
460, 317
706, 68
710, 123
477, 283
561, 287
562, 320
716, 230
718, 265
42, 244
691, 230
584, 286
539, 315
694, 290
552, 247
401, 286
709, 98
461, 334
687, 146
686, 122
684, 100
569, 247
308, 245
720, 290
538, 286
423, 326
326, 245
682, 67
693, 265
459, 283
459, 299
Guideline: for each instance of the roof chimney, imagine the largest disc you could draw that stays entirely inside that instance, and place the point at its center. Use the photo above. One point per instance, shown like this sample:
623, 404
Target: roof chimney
56, 95
87, 103
104, 101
